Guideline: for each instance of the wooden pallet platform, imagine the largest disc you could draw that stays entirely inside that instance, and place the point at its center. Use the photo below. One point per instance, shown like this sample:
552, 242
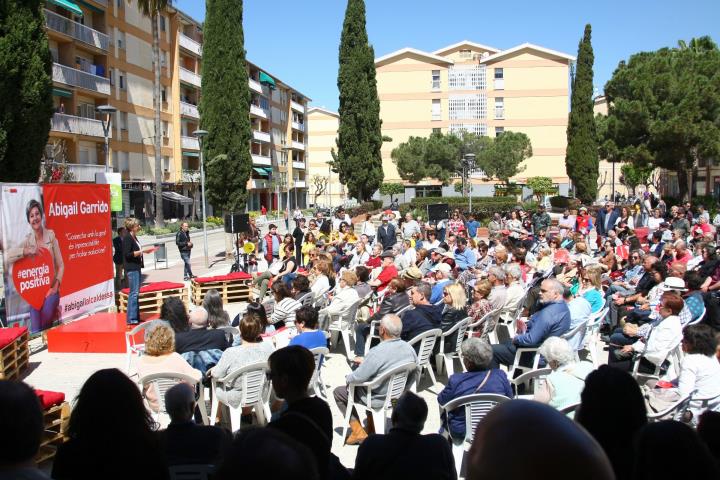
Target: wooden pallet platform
231, 291
15, 358
56, 419
151, 302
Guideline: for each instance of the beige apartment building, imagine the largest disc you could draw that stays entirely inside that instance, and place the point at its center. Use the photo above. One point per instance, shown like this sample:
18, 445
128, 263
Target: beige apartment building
102, 55
324, 187
480, 89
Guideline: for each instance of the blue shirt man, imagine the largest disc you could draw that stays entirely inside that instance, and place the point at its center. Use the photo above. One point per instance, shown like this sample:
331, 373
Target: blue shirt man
472, 226
464, 257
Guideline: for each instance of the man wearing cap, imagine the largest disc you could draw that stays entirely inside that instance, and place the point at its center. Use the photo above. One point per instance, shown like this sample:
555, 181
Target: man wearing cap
540, 220
464, 257
442, 278
386, 235
436, 257
387, 273
411, 276
606, 219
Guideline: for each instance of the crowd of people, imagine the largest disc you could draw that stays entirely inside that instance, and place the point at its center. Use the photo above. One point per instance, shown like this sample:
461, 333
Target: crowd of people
528, 294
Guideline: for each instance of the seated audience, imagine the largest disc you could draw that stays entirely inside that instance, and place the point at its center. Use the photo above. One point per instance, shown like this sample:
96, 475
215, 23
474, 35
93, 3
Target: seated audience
454, 311
480, 307
283, 314
479, 378
392, 352
343, 298
187, 339
22, 427
404, 452
306, 321
563, 386
184, 442
612, 410
109, 412
160, 357
363, 277
300, 287
217, 316
424, 316
494, 452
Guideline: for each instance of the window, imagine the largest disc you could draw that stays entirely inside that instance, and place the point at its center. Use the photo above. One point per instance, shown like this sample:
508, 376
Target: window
428, 191
162, 23
166, 164
163, 94
123, 120
467, 107
165, 129
436, 79
120, 4
499, 131
436, 111
467, 77
499, 107
465, 54
499, 73
437, 130
122, 81
499, 79
121, 40
476, 128
124, 161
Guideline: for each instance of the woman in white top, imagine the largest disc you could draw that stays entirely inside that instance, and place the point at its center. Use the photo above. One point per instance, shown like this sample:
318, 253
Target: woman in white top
514, 225
321, 283
655, 220
700, 369
626, 217
345, 295
360, 253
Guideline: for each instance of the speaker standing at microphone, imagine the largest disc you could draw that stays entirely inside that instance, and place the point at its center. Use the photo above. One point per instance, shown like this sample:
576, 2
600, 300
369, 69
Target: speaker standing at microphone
182, 240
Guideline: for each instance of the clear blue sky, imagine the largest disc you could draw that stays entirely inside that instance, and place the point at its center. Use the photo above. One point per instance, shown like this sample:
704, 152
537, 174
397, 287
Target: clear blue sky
298, 40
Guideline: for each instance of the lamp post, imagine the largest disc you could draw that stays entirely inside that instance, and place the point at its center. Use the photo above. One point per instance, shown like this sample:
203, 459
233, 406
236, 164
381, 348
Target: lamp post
107, 110
200, 134
468, 165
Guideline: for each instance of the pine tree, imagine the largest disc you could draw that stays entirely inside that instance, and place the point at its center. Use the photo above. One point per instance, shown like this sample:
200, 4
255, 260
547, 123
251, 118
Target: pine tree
358, 161
225, 106
581, 158
25, 89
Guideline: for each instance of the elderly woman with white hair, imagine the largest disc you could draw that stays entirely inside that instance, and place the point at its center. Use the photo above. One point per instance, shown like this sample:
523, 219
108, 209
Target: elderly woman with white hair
477, 356
565, 383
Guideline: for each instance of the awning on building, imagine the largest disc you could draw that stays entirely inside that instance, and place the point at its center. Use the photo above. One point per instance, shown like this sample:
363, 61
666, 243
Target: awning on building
266, 79
190, 154
90, 6
67, 5
61, 93
261, 171
176, 197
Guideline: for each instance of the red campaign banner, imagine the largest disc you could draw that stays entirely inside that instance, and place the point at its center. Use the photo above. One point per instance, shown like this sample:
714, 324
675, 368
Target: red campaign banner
57, 241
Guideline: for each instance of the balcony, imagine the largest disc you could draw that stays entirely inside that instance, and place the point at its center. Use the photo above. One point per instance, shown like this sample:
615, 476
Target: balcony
189, 110
298, 145
190, 77
261, 136
190, 175
78, 31
77, 125
297, 106
261, 160
255, 86
298, 126
499, 113
299, 184
190, 45
499, 84
257, 184
190, 143
85, 172
298, 165
78, 78
258, 111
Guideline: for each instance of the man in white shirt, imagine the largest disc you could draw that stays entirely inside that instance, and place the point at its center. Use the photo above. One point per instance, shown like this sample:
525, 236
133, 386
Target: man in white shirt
498, 294
410, 227
514, 293
409, 252
340, 217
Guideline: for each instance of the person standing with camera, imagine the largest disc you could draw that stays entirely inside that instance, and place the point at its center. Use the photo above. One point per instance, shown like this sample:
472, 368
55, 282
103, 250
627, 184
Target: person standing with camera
182, 240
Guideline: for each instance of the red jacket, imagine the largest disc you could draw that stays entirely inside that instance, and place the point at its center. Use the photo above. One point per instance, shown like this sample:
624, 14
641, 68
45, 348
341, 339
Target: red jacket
268, 247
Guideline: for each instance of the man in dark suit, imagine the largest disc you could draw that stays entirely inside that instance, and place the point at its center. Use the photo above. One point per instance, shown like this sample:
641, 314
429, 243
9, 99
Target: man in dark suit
184, 442
386, 235
403, 452
606, 219
118, 258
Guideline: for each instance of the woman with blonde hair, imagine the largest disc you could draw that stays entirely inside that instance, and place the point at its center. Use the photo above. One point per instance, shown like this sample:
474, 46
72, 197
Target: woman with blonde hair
454, 310
591, 287
321, 282
160, 357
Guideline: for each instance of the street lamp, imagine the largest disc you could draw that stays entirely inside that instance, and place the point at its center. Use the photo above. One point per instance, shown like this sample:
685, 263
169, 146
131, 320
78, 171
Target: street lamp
108, 110
200, 134
468, 165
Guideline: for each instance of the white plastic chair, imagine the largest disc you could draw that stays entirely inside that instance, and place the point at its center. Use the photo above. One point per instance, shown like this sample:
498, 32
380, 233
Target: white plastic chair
527, 381
254, 386
191, 472
160, 383
426, 341
396, 382
477, 406
131, 346
475, 325
673, 412
579, 329
569, 409
674, 356
376, 323
448, 358
316, 382
343, 324
591, 340
523, 368
306, 299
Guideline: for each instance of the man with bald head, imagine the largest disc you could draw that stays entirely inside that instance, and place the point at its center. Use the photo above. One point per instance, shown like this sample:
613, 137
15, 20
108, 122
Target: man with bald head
552, 320
185, 442
561, 449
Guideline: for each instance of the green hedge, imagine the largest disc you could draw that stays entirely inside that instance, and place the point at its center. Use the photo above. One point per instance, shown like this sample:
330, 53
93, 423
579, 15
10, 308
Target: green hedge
483, 207
174, 227
365, 207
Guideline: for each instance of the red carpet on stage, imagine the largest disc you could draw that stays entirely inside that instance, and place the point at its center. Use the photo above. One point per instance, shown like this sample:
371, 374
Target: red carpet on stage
99, 333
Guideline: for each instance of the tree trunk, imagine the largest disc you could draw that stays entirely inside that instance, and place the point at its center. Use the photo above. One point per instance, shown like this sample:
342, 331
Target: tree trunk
683, 183
159, 214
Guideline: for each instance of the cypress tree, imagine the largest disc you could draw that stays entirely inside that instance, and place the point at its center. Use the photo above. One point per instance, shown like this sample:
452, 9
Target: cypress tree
225, 106
581, 158
358, 161
25, 89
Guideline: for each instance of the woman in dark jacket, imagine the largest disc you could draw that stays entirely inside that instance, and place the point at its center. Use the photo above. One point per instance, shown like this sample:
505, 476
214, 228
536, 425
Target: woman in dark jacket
133, 264
396, 298
455, 310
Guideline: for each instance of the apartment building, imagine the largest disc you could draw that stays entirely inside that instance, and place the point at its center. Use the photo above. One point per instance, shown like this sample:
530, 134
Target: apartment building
481, 89
102, 55
323, 127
